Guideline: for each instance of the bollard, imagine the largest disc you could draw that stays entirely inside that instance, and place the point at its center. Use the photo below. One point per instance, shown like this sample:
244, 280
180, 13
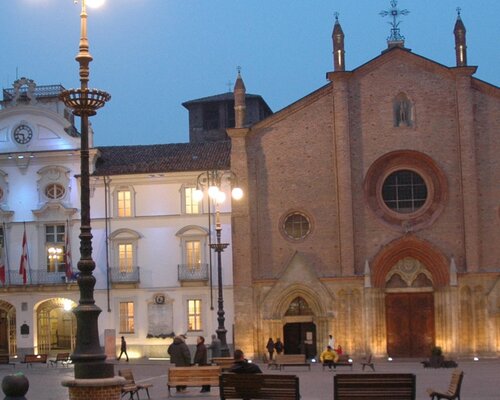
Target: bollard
15, 386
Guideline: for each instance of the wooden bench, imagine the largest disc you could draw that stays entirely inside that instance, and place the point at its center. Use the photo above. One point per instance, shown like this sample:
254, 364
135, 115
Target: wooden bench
343, 361
374, 386
30, 359
131, 385
223, 362
62, 358
296, 360
193, 376
5, 360
259, 386
453, 390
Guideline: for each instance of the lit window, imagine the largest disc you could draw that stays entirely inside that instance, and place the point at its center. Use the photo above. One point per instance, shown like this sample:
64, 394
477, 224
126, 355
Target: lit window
404, 191
124, 199
127, 317
194, 315
55, 247
125, 257
54, 191
296, 226
191, 205
193, 253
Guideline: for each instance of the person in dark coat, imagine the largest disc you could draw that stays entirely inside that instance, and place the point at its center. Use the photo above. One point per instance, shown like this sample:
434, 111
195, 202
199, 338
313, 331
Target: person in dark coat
278, 346
180, 356
242, 366
200, 358
270, 348
123, 349
215, 346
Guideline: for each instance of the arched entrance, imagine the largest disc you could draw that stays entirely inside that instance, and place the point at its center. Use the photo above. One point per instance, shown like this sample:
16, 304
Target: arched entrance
299, 331
7, 328
409, 270
56, 325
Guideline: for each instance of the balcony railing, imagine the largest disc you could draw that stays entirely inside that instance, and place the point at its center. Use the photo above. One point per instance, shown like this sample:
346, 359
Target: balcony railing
198, 272
37, 277
118, 275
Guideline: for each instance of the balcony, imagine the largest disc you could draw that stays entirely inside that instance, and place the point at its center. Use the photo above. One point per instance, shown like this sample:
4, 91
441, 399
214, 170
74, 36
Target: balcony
37, 277
118, 275
192, 273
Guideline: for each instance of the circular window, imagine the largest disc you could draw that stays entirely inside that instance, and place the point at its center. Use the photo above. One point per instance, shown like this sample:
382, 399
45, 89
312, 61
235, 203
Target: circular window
296, 226
55, 191
404, 191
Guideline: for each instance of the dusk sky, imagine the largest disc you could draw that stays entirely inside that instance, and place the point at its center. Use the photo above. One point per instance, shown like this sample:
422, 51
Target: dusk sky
153, 55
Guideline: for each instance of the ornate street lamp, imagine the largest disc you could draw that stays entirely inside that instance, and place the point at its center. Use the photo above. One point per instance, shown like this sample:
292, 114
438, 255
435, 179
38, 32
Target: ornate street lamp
214, 181
88, 357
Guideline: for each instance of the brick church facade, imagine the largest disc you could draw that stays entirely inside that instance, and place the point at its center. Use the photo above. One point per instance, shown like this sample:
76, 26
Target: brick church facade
372, 211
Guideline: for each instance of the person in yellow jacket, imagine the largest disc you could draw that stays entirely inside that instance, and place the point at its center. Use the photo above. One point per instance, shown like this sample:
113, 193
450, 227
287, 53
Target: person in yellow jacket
328, 357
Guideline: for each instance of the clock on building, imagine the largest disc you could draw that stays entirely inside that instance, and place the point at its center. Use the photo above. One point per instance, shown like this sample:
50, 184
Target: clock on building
23, 134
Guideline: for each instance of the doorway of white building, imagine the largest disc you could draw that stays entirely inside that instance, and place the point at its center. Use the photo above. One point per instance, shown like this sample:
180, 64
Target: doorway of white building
7, 328
56, 325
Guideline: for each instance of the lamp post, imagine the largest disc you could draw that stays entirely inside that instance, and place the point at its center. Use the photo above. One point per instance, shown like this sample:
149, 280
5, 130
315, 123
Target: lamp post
214, 181
88, 357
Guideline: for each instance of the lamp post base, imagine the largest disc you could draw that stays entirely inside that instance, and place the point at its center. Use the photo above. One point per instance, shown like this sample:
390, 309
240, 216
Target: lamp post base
94, 370
95, 389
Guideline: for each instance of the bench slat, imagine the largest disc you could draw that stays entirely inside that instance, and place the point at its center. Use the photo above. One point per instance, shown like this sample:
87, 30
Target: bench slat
259, 386
374, 386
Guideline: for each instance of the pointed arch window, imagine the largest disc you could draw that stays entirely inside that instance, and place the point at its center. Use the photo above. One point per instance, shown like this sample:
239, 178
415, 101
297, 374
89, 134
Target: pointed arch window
403, 111
299, 306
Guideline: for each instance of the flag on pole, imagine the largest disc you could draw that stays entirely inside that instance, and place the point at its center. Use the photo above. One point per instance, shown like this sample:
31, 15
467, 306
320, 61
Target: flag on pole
24, 258
67, 255
2, 266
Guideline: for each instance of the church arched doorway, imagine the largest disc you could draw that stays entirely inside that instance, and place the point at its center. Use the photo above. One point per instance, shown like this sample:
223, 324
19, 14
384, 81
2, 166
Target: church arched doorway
7, 328
299, 331
56, 325
409, 308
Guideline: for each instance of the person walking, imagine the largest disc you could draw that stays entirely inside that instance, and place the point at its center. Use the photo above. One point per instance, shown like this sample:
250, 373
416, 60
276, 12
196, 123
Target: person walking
123, 349
331, 341
215, 346
179, 356
200, 358
278, 346
270, 348
242, 366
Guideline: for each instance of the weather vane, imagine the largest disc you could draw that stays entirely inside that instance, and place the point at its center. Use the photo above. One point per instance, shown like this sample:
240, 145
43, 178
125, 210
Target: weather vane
394, 13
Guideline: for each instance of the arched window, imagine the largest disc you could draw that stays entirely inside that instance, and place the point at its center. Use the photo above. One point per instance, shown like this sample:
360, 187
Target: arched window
299, 307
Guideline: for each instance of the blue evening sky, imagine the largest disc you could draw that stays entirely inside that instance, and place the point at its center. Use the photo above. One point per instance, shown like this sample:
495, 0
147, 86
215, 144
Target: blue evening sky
152, 55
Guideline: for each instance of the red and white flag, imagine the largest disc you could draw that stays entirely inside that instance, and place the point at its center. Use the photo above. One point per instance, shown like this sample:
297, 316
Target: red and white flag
67, 255
24, 258
2, 265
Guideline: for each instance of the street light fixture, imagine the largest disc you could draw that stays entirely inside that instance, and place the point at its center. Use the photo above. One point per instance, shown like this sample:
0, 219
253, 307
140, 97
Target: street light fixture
214, 182
88, 357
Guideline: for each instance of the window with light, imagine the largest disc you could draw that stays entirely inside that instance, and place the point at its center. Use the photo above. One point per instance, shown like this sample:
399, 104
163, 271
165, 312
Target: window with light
191, 206
194, 315
125, 257
124, 203
127, 317
55, 236
193, 253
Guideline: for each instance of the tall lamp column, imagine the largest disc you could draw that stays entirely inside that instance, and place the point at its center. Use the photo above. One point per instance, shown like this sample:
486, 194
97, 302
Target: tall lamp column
88, 357
214, 181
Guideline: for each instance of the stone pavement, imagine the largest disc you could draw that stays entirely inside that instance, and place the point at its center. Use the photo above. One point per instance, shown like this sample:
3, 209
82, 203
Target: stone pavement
481, 380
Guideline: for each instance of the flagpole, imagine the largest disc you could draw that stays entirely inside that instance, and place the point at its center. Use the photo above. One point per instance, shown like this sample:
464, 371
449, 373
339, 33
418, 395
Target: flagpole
28, 255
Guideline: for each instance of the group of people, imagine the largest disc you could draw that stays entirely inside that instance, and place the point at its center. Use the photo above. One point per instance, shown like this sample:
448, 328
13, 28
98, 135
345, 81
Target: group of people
271, 346
181, 357
330, 355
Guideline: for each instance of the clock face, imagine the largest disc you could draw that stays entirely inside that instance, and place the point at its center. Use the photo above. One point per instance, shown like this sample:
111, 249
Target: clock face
23, 134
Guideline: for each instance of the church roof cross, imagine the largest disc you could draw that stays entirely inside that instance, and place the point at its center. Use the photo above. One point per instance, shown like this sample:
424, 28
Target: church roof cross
394, 13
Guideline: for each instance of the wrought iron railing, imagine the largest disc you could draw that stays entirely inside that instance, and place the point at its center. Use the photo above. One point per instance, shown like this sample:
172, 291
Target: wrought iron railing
198, 272
40, 91
118, 275
37, 277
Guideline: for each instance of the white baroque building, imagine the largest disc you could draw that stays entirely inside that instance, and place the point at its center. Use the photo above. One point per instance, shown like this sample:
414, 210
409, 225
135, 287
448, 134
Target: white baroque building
155, 273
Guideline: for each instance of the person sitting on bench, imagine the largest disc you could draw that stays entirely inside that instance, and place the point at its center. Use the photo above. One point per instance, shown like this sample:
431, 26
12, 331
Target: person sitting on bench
242, 366
328, 357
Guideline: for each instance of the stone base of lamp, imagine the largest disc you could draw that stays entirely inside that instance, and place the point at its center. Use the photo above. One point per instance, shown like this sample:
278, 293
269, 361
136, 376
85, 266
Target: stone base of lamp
95, 389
